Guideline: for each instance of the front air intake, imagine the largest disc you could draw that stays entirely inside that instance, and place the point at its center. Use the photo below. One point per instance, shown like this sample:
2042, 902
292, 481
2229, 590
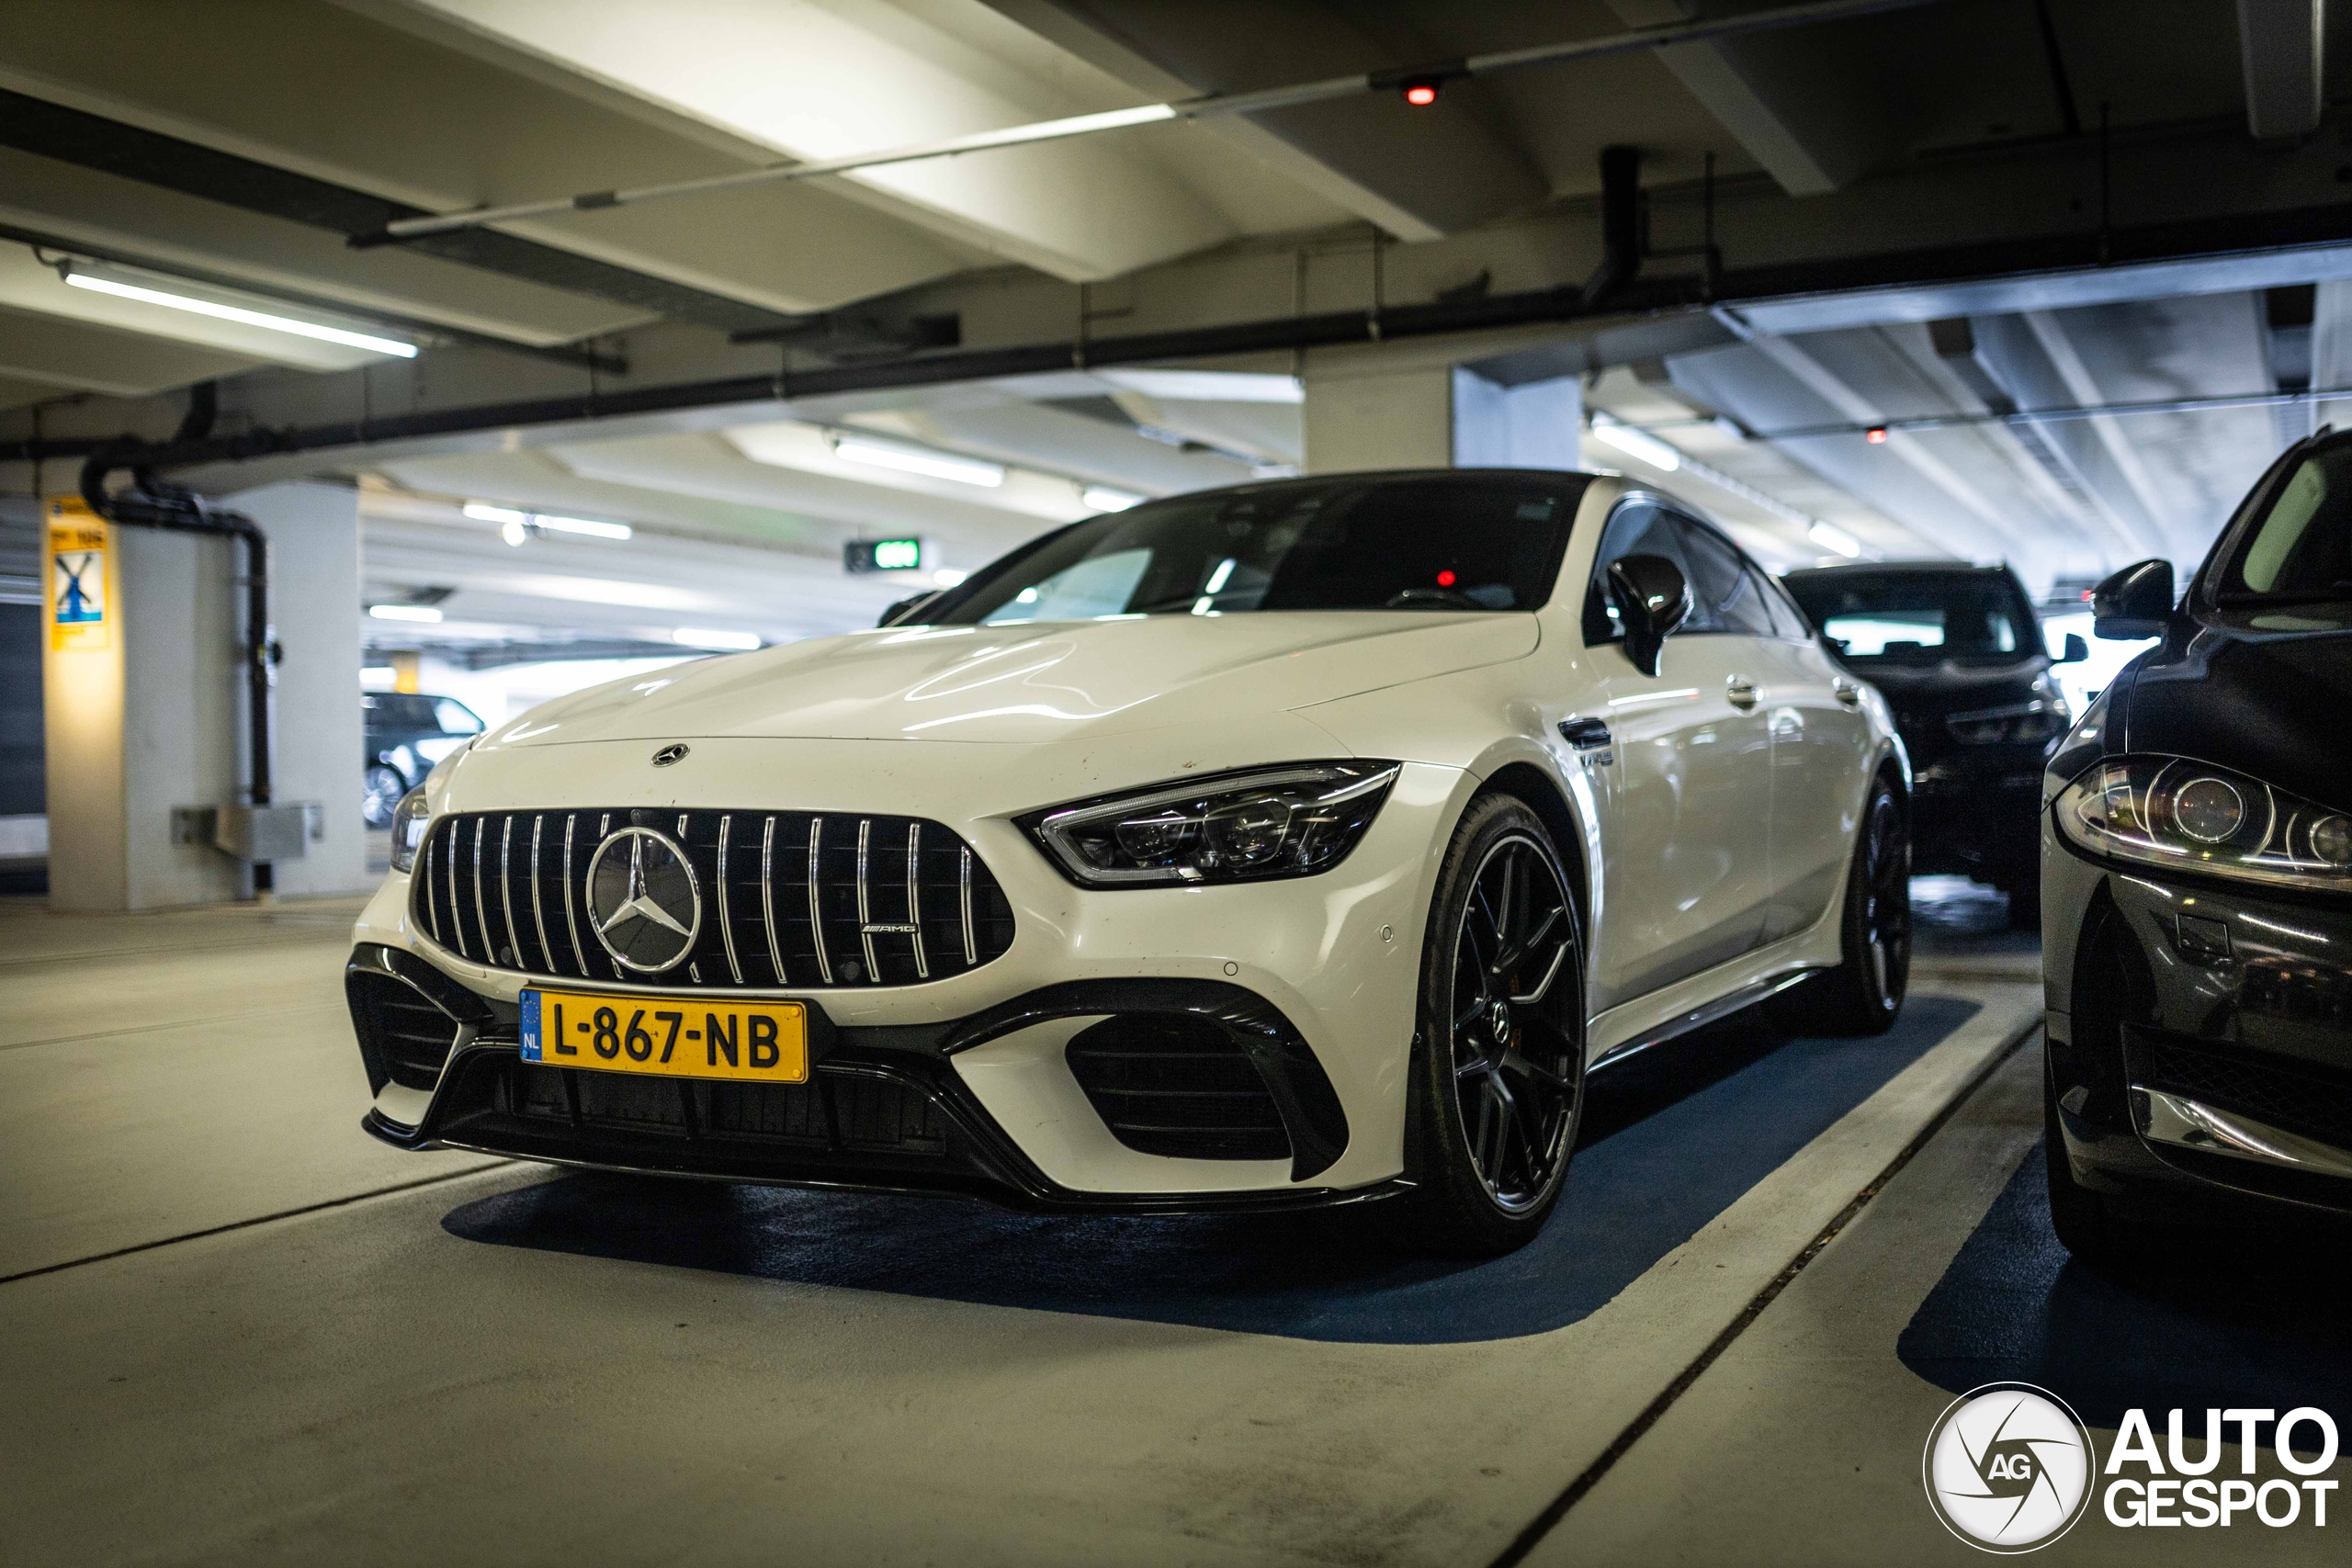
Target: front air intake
800, 899
1179, 1085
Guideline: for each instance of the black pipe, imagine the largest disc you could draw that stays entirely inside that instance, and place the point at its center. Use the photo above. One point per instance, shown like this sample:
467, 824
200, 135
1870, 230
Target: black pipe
2238, 234
203, 412
153, 502
1620, 222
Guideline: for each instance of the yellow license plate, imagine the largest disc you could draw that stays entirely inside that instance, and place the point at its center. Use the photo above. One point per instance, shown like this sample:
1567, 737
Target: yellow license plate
676, 1037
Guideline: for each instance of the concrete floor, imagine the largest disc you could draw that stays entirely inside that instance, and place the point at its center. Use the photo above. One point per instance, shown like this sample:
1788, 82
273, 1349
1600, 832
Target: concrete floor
232, 1329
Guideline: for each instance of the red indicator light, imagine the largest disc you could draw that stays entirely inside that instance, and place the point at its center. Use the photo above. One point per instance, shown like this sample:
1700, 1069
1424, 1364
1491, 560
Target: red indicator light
1875, 435
1445, 580
1420, 95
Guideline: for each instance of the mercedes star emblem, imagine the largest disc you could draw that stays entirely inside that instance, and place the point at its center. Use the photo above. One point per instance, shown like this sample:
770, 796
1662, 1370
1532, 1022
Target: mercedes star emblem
669, 754
643, 901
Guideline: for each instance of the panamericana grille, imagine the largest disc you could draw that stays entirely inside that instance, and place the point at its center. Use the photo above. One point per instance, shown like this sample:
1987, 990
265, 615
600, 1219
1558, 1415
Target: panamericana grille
791, 898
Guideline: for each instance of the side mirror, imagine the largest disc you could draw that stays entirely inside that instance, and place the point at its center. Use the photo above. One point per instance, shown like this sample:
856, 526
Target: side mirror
1652, 600
2134, 602
2077, 649
906, 607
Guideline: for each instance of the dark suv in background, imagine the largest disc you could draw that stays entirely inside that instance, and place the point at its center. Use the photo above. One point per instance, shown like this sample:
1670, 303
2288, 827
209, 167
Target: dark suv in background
407, 733
1957, 651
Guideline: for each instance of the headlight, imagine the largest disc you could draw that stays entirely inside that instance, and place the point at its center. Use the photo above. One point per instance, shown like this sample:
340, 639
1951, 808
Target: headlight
2024, 721
1287, 821
408, 821
2167, 811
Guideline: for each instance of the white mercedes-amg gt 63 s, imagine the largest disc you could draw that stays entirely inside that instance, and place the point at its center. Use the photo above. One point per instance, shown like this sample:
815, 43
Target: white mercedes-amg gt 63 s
1298, 843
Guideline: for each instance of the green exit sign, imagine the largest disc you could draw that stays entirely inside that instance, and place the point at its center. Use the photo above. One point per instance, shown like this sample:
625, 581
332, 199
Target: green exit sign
882, 554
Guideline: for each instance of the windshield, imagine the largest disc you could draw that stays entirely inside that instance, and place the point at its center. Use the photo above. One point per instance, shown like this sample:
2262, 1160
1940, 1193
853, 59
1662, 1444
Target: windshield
1475, 542
1918, 617
2301, 549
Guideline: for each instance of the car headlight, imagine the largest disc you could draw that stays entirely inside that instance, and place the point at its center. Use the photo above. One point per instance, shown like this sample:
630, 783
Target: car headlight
2170, 812
410, 818
2035, 720
1293, 820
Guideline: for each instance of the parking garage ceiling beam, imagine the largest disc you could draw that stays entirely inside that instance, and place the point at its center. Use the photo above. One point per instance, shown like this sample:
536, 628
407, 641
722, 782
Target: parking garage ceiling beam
121, 152
1807, 141
405, 127
555, 30
2283, 43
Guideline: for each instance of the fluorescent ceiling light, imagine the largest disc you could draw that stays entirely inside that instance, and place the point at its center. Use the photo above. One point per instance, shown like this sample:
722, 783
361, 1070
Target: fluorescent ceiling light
1209, 385
238, 314
605, 591
1104, 497
594, 530
509, 520
917, 460
716, 641
1835, 539
1638, 445
948, 577
425, 613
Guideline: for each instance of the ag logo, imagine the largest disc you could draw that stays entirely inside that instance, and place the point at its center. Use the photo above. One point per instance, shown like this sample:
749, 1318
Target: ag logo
2008, 1467
643, 902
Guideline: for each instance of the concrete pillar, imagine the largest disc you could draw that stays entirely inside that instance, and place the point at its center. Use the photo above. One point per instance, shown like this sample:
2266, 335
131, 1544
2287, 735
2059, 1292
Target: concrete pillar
1537, 424
1408, 408
314, 598
143, 707
1369, 416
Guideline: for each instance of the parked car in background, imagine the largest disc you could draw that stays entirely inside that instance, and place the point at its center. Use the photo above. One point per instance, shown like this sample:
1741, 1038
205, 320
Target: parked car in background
407, 733
2197, 908
1958, 652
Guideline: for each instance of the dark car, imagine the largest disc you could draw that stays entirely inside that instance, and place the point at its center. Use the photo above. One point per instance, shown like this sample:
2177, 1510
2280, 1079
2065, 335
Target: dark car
1957, 651
407, 733
2197, 903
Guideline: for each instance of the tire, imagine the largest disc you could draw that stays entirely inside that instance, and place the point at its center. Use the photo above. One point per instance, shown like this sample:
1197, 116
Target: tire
2085, 1224
1865, 994
385, 788
1497, 1093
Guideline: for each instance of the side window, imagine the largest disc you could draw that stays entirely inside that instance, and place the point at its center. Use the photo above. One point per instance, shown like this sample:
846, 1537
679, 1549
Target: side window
1720, 585
1788, 622
453, 717
1637, 528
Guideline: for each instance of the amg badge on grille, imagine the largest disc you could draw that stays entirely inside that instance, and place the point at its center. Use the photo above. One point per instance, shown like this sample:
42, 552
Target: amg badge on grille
669, 754
643, 901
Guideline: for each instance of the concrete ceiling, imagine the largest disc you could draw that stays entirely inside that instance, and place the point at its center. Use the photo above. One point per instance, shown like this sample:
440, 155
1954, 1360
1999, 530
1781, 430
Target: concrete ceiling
238, 145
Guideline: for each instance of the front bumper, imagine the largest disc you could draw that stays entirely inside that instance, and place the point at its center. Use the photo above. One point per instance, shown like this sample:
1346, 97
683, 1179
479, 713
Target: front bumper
1310, 983
2200, 1038
884, 1107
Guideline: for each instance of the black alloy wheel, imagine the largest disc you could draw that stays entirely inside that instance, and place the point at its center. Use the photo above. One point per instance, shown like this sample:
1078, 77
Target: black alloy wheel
1865, 994
1500, 1060
385, 788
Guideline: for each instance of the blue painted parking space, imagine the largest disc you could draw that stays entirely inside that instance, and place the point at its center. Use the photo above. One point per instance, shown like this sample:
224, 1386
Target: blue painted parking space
1671, 1139
2253, 1318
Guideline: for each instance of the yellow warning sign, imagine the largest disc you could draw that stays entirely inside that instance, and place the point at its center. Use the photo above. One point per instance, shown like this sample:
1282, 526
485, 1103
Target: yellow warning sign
81, 597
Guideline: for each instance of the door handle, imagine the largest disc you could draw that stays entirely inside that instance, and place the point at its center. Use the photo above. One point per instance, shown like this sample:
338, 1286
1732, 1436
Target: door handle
1588, 737
1741, 692
1847, 692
